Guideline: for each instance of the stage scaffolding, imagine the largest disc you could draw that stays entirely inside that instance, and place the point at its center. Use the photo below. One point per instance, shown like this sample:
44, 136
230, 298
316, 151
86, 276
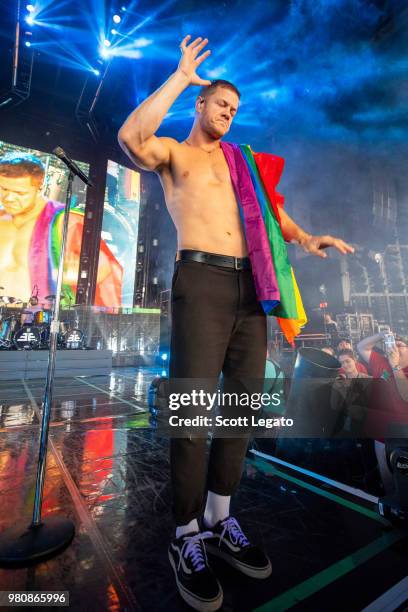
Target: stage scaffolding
379, 285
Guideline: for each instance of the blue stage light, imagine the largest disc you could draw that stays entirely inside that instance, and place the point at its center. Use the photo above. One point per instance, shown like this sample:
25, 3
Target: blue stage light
30, 20
123, 8
27, 43
116, 19
103, 52
96, 71
30, 8
114, 32
107, 42
164, 356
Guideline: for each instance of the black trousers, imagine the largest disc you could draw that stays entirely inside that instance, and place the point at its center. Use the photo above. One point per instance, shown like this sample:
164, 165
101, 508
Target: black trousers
217, 326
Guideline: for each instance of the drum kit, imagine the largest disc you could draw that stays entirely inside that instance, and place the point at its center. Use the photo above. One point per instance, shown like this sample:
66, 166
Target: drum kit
27, 326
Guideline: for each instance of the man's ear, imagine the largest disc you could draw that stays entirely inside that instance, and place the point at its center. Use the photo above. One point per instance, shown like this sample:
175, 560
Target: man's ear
199, 104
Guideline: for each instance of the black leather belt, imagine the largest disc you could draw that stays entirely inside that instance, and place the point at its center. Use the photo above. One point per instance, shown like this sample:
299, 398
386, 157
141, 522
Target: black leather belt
225, 261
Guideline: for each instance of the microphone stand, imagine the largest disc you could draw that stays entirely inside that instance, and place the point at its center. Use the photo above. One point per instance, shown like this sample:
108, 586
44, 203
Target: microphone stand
43, 538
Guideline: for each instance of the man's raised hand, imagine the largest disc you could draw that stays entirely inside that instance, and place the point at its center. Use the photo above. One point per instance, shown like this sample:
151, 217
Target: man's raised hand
190, 59
315, 245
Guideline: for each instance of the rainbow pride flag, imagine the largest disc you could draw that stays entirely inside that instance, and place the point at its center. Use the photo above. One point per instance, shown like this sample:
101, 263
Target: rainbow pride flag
44, 255
254, 177
45, 251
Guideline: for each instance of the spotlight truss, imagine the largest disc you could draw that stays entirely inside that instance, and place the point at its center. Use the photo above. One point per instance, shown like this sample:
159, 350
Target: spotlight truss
88, 99
21, 68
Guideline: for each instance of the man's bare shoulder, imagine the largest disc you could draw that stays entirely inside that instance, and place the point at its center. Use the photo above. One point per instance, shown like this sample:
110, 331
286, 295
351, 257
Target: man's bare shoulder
171, 143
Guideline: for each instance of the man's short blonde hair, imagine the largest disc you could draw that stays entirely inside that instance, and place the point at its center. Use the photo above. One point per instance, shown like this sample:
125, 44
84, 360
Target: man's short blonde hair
207, 90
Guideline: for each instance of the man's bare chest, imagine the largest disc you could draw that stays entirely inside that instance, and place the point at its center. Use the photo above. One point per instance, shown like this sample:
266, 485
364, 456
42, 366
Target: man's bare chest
15, 241
201, 168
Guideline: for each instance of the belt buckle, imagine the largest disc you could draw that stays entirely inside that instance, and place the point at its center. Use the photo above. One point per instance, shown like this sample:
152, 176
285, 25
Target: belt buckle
237, 264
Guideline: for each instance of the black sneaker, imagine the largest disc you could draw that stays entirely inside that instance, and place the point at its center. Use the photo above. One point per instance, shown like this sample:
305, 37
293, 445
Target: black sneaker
195, 581
231, 544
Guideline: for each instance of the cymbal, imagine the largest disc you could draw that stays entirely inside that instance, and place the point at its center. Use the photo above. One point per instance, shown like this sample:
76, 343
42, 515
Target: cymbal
9, 298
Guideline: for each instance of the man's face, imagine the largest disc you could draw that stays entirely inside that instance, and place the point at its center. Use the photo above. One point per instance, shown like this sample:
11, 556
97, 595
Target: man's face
343, 345
18, 194
217, 111
348, 364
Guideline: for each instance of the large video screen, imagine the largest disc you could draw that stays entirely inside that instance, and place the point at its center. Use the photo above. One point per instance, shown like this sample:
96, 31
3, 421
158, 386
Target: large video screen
117, 257
32, 196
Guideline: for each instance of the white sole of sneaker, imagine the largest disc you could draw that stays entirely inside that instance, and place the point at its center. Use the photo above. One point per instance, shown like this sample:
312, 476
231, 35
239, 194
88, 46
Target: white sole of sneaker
203, 605
248, 570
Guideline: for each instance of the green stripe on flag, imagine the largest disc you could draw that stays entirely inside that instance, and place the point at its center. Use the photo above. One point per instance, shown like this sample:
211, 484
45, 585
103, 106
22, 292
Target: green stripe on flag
287, 308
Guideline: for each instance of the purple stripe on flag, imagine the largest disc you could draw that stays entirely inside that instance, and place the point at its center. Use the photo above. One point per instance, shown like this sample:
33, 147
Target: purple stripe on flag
259, 251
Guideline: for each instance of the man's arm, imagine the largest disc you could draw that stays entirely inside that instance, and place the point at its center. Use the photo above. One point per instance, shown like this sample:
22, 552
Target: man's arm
136, 136
399, 374
290, 230
365, 346
311, 244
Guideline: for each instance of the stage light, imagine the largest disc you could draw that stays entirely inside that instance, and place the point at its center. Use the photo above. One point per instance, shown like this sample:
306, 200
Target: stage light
30, 20
27, 43
114, 32
96, 71
116, 19
107, 42
30, 8
164, 356
164, 373
103, 52
123, 9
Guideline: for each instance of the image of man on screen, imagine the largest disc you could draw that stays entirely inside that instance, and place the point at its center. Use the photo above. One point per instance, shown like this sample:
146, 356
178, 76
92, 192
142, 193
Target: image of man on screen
31, 228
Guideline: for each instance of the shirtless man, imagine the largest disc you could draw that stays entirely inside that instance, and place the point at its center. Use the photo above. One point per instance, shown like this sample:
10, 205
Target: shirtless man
217, 322
21, 204
25, 248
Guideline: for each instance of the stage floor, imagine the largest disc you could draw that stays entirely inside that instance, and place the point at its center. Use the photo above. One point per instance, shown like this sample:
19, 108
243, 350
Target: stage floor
108, 472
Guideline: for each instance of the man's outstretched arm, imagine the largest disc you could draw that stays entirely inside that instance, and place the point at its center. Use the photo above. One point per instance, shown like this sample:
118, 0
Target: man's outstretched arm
137, 135
366, 346
311, 244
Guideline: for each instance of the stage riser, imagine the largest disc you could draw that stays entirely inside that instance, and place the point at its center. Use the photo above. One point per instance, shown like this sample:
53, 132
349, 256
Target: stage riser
15, 365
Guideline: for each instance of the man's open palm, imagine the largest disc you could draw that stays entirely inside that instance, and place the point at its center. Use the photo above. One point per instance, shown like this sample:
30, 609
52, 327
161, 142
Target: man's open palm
315, 245
190, 59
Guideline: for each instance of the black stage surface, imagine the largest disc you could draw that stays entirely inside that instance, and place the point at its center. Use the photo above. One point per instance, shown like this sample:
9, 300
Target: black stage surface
108, 471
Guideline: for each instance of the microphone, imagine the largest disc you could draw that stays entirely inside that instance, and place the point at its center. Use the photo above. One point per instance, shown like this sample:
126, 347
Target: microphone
60, 153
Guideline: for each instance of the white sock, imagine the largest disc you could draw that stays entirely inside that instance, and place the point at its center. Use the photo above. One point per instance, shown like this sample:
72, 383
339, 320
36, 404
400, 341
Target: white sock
183, 529
216, 509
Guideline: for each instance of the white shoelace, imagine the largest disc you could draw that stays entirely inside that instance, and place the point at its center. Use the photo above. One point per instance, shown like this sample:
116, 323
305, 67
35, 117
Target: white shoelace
234, 531
193, 549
